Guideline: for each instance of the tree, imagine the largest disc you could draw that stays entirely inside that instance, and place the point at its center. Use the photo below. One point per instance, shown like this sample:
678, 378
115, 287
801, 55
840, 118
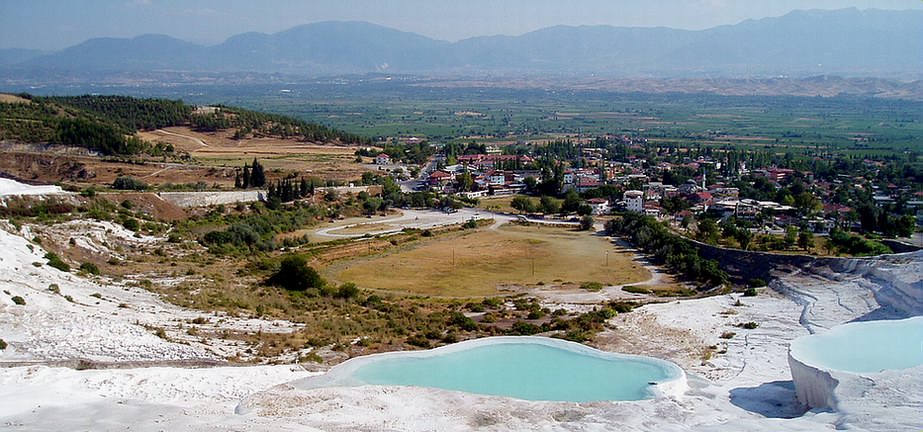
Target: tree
744, 237
257, 174
523, 204
584, 210
245, 180
372, 205
707, 231
465, 182
548, 205
530, 183
572, 202
805, 238
791, 236
295, 274
586, 223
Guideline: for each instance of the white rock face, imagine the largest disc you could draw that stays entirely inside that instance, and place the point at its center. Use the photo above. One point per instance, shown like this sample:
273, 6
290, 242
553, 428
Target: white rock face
14, 188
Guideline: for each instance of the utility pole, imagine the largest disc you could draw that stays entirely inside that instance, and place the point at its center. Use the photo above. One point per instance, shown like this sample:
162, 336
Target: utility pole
533, 266
607, 258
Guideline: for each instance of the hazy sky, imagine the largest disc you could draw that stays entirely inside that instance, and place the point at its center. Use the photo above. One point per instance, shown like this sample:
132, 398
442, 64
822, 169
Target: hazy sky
55, 24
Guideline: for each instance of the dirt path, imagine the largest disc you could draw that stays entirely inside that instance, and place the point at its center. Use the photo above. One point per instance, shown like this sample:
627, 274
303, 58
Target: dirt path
190, 138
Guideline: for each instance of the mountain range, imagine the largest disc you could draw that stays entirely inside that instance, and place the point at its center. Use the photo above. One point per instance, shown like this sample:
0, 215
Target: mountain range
848, 42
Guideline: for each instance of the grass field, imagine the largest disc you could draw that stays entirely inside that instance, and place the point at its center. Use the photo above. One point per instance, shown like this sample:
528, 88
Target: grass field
478, 263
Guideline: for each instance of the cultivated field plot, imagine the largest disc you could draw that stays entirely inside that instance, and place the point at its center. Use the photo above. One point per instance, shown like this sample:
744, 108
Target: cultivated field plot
480, 263
219, 150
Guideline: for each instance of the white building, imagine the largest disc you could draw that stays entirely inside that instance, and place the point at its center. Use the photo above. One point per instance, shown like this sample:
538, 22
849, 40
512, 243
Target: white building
382, 159
634, 201
600, 206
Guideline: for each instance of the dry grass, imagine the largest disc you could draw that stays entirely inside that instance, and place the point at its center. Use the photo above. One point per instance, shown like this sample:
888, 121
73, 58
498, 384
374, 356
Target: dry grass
12, 99
478, 263
326, 161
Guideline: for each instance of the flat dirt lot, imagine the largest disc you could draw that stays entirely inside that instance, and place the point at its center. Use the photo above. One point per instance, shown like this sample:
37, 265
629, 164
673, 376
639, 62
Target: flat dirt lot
487, 260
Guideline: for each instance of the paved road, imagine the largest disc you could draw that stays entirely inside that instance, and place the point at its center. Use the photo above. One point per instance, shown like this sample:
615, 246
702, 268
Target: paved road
423, 219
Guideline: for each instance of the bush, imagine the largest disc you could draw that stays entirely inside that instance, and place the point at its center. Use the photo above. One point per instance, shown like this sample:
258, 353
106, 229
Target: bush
128, 183
636, 289
294, 274
756, 283
586, 223
131, 224
19, 300
592, 286
347, 291
750, 292
90, 268
463, 322
419, 341
2, 344
55, 261
749, 325
524, 328
727, 335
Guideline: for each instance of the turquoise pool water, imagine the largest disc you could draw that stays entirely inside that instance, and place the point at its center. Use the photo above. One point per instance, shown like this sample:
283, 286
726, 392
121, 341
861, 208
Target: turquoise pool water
523, 368
864, 347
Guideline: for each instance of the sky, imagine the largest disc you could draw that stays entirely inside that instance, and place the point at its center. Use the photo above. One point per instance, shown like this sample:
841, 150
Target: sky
57, 24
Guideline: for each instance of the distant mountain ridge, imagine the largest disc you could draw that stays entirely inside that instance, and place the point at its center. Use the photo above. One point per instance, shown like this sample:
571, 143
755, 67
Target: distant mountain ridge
848, 42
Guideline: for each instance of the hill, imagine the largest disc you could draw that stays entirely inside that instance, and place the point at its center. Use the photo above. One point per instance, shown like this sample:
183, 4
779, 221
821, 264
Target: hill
108, 124
848, 42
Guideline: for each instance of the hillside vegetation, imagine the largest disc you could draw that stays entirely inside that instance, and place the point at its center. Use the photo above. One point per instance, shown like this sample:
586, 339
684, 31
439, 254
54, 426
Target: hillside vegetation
107, 124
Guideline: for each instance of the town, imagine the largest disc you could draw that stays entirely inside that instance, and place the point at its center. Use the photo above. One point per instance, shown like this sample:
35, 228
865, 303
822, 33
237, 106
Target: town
744, 198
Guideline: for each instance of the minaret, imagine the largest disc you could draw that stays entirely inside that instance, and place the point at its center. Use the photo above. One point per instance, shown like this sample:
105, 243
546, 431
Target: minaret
704, 173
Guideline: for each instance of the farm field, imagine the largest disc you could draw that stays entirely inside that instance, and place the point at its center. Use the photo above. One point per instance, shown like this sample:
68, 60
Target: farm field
220, 151
807, 125
482, 262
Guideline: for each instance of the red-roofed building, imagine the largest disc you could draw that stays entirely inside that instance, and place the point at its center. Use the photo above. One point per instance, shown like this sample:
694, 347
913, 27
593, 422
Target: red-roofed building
382, 159
440, 178
485, 161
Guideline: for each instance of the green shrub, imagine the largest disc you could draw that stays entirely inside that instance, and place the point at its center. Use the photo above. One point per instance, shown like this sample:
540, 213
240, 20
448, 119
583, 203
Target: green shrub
749, 325
750, 292
592, 286
756, 283
636, 289
523, 328
493, 302
128, 183
55, 261
347, 291
131, 224
19, 300
463, 322
586, 223
295, 274
2, 344
90, 268
419, 341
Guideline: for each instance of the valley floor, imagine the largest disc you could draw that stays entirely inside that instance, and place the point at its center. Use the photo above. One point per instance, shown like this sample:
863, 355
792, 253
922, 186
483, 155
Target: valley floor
142, 381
